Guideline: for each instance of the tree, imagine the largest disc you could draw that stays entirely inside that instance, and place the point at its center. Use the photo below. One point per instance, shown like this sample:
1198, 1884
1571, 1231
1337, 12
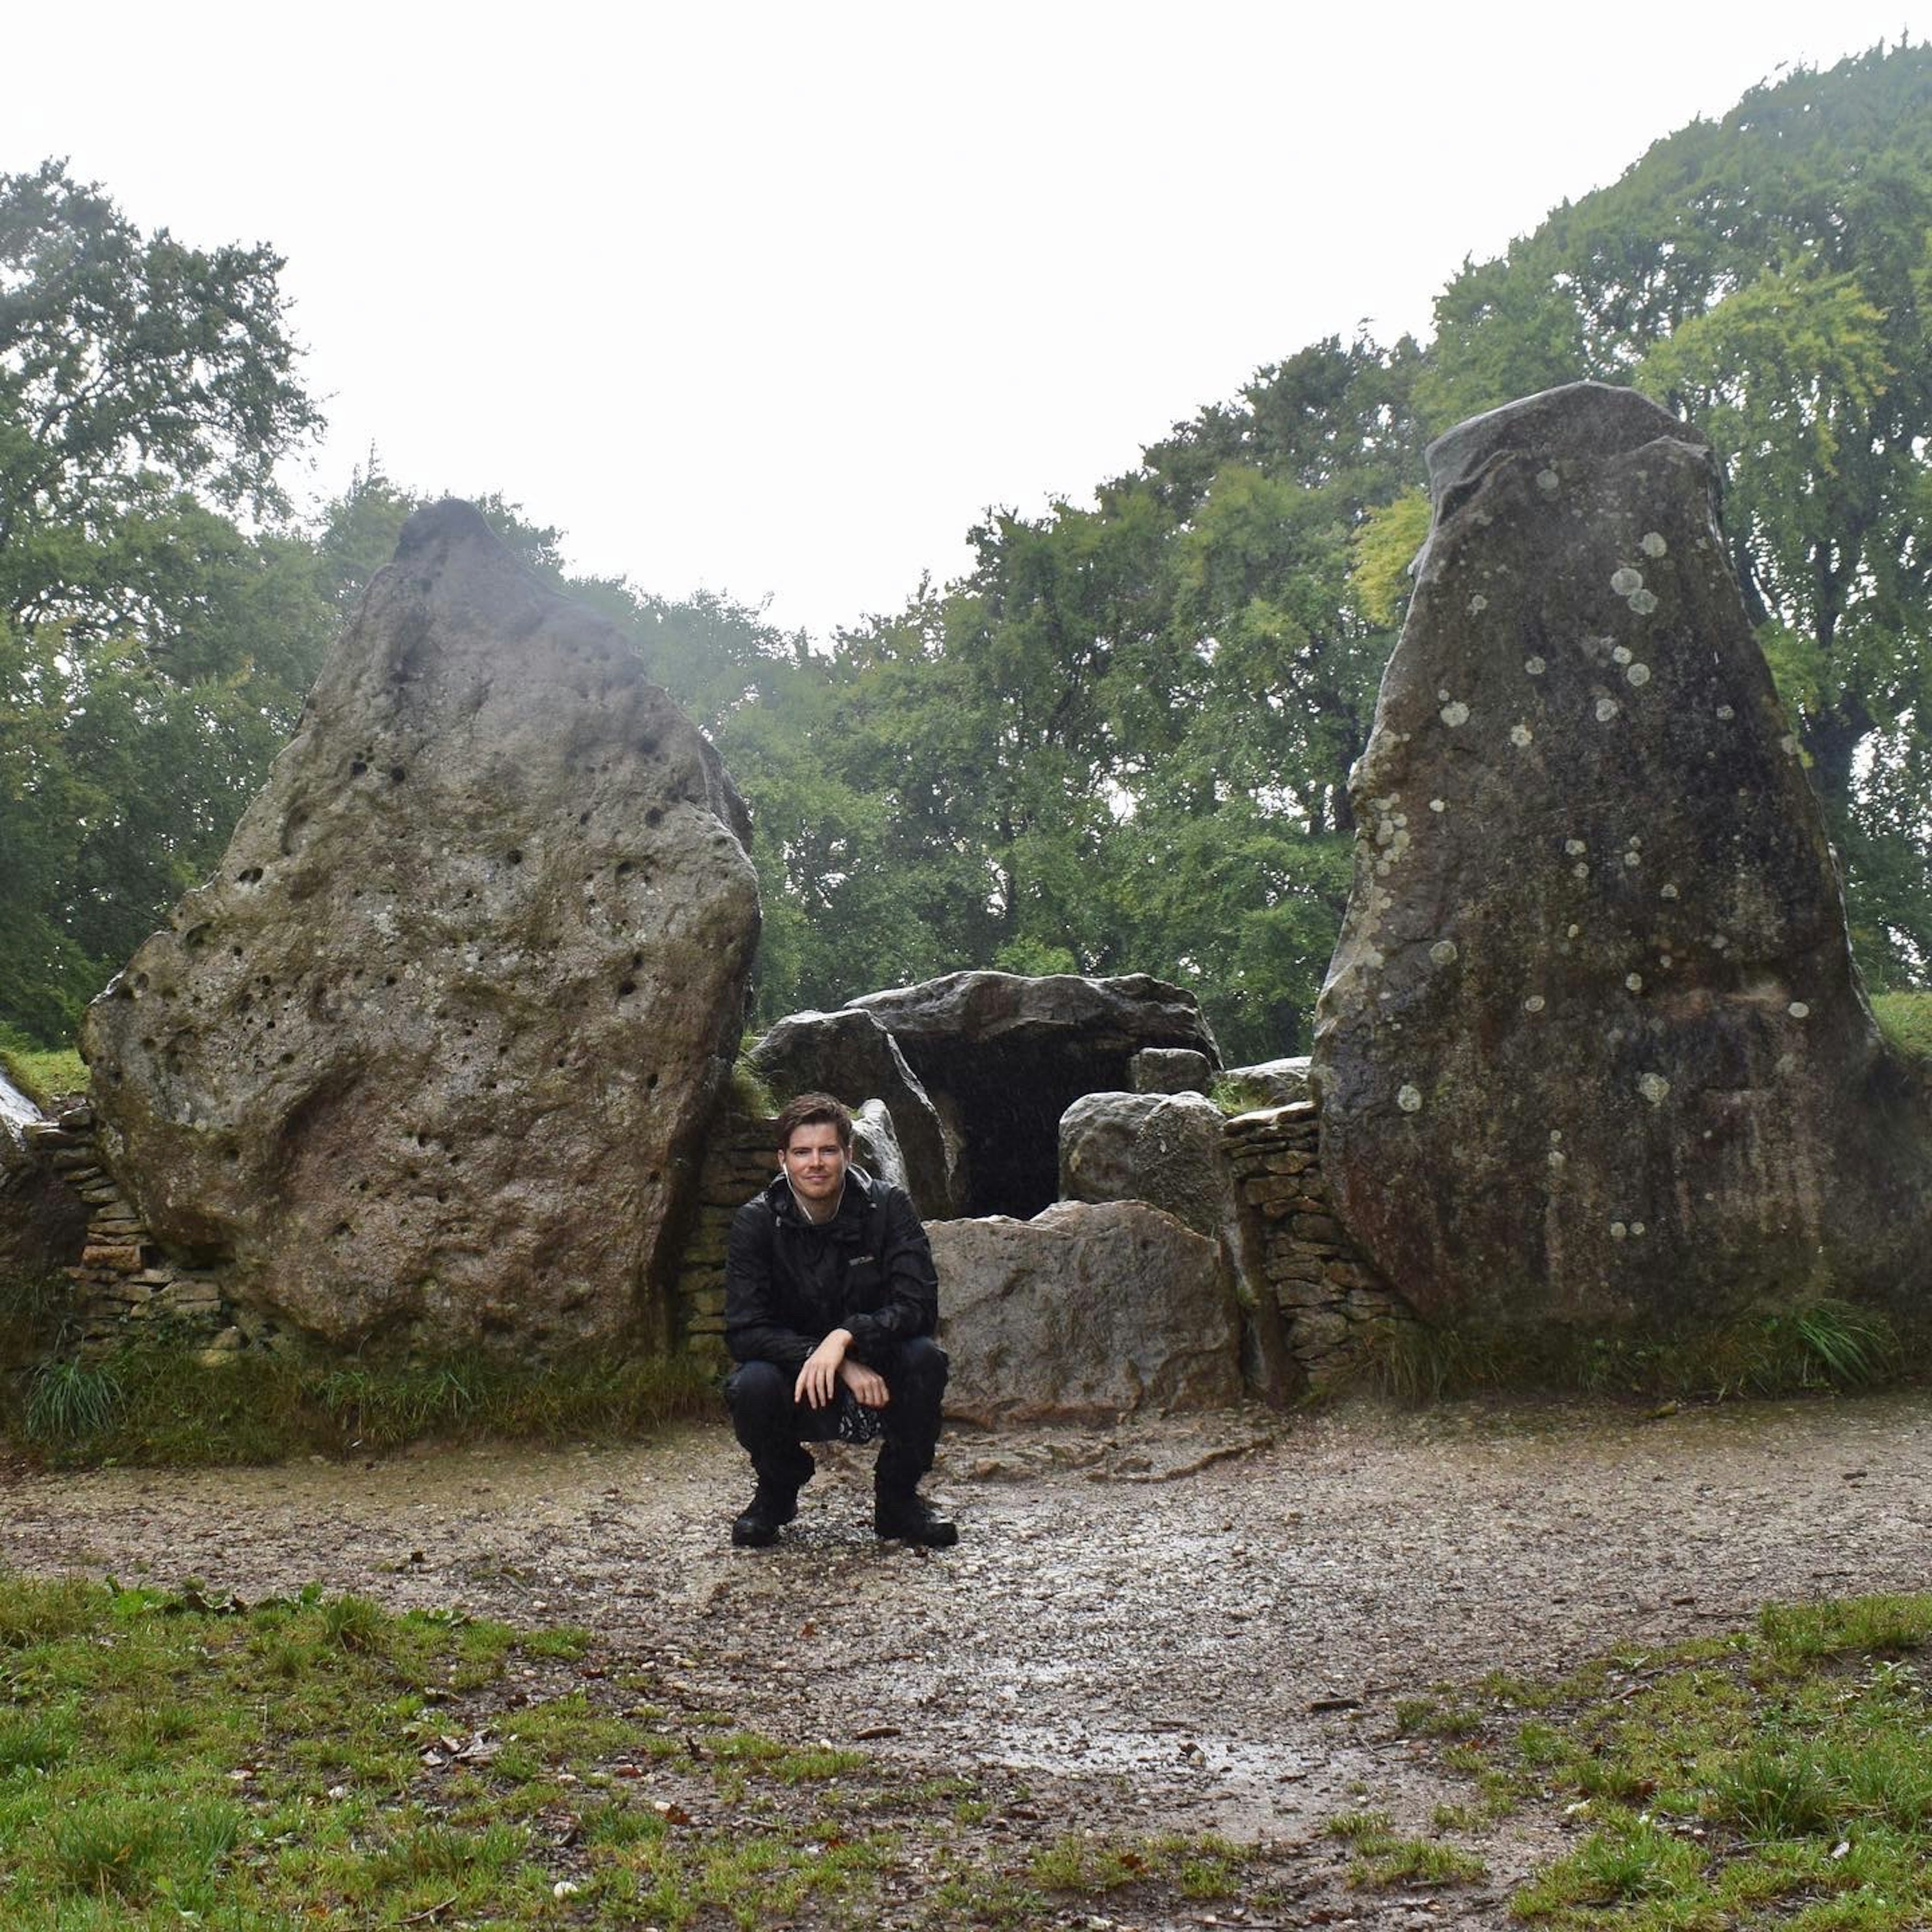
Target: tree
153, 652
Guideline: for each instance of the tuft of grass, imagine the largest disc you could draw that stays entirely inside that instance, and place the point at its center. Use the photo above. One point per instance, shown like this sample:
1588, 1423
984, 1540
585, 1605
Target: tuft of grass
1905, 1018
161, 1402
1199, 1868
69, 1400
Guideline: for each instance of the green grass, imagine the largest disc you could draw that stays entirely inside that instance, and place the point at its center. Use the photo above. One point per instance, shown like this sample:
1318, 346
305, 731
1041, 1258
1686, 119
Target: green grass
181, 1760
1827, 1344
1385, 1858
160, 1402
1905, 1018
44, 1075
1781, 1775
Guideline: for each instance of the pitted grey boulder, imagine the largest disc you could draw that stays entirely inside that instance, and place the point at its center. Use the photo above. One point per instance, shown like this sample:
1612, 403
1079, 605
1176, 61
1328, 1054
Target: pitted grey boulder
1169, 1069
426, 1060
1083, 1313
1591, 1049
1162, 1148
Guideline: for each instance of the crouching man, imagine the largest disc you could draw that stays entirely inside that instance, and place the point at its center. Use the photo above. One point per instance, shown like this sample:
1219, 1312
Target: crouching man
830, 1307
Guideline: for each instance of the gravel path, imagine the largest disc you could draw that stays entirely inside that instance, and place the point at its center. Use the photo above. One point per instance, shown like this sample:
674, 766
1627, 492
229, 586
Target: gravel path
1190, 1624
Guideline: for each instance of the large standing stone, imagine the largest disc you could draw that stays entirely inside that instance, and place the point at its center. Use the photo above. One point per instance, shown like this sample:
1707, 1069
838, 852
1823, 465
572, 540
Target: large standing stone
1592, 1048
850, 1056
1082, 1314
1003, 1057
425, 1060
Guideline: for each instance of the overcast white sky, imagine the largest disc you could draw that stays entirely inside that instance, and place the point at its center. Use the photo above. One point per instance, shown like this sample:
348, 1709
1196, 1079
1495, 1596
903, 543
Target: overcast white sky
774, 299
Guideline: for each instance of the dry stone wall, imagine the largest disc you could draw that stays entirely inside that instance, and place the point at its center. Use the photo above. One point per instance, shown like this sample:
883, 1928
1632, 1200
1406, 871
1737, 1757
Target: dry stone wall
1335, 1309
123, 1283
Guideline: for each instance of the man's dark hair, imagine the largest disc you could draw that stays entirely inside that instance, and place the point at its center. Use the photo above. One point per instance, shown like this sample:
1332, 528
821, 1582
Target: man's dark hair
814, 1110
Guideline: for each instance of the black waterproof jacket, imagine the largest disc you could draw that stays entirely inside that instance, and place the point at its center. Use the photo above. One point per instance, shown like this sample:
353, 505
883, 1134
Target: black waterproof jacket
788, 1283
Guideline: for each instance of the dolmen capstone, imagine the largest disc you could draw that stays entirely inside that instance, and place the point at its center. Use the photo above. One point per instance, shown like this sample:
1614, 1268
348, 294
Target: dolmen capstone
424, 1061
1002, 1055
1591, 1049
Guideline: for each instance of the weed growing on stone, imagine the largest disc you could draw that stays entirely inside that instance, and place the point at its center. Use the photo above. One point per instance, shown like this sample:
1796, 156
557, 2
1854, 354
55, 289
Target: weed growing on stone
183, 1759
1777, 1775
164, 1403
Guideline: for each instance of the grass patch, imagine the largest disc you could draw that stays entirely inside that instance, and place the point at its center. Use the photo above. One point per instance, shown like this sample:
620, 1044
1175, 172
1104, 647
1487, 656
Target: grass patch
1905, 1018
1782, 1775
1824, 1346
158, 1402
182, 1759
45, 1075
1385, 1858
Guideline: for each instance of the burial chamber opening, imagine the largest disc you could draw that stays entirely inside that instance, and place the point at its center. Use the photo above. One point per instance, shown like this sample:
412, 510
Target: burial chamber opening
1003, 1102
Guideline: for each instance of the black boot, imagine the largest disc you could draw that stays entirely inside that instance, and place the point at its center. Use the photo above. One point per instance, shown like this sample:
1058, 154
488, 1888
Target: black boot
769, 1509
906, 1516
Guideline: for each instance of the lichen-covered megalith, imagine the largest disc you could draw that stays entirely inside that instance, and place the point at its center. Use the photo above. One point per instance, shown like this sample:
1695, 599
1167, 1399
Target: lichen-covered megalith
425, 1060
1592, 1049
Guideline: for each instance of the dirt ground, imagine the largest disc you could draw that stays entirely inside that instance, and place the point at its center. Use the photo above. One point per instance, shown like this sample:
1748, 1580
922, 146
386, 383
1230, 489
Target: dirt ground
1194, 1625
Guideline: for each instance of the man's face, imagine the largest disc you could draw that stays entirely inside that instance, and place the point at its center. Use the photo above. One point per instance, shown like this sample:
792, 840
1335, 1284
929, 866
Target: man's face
814, 1162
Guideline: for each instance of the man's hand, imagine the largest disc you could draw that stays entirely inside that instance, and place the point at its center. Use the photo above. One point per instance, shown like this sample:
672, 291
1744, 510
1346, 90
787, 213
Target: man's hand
868, 1386
818, 1380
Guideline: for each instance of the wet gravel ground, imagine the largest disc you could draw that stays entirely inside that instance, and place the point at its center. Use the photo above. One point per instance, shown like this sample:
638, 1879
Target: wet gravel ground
1194, 1625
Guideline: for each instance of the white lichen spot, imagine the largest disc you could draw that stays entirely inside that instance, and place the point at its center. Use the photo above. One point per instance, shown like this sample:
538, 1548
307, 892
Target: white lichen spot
1409, 1100
1441, 697
1798, 1010
1534, 666
1639, 674
1652, 543
1534, 1004
1718, 940
1382, 868
1607, 708
1555, 1157
1642, 602
1621, 655
1618, 1231
1636, 1228
1580, 871
1575, 932
1788, 744
1548, 482
1478, 604
1668, 893
1785, 1064
1575, 847
1664, 960
1655, 1088
1725, 714
1437, 804
1556, 1134
1634, 981
1519, 736
1633, 858
1455, 714
1624, 580
1443, 953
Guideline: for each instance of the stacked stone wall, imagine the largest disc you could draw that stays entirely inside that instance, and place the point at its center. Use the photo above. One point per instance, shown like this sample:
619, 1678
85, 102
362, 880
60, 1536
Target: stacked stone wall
1336, 1309
737, 1163
123, 1283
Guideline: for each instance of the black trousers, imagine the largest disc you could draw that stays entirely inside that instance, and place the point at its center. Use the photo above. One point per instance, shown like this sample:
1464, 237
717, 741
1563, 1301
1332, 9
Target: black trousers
774, 1429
